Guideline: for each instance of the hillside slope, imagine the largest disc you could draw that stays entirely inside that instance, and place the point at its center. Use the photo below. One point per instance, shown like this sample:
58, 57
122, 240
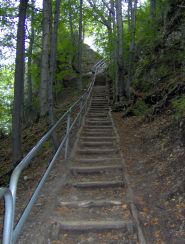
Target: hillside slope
152, 129
159, 80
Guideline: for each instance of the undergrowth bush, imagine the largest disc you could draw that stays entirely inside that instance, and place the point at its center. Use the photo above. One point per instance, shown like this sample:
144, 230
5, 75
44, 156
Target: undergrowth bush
140, 108
178, 105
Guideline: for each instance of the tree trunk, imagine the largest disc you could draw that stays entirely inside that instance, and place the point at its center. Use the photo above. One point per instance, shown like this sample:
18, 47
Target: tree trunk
45, 57
53, 50
129, 13
19, 83
115, 51
30, 51
152, 8
120, 63
73, 39
80, 42
132, 47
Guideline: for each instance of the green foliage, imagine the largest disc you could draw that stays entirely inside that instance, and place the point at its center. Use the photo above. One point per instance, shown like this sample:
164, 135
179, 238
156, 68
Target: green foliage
178, 104
6, 98
140, 108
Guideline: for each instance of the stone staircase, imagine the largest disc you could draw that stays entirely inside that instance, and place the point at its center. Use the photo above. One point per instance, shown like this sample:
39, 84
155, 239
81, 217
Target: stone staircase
92, 206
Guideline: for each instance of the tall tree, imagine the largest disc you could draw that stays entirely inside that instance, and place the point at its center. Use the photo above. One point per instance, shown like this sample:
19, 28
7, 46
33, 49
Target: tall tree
73, 42
45, 57
80, 42
52, 67
152, 8
19, 83
52, 62
120, 63
30, 52
132, 46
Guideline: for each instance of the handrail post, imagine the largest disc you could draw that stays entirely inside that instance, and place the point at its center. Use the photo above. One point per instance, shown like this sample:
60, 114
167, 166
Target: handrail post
81, 111
67, 133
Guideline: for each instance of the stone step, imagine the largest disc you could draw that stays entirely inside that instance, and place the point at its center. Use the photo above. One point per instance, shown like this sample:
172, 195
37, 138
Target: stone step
95, 169
92, 184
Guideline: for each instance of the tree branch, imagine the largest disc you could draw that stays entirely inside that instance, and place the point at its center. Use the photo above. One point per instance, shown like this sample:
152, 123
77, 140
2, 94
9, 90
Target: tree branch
180, 6
103, 19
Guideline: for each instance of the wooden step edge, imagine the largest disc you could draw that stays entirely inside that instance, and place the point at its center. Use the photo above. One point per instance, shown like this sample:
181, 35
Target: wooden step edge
99, 133
84, 225
99, 150
93, 169
93, 160
98, 122
92, 184
90, 203
98, 138
98, 127
98, 143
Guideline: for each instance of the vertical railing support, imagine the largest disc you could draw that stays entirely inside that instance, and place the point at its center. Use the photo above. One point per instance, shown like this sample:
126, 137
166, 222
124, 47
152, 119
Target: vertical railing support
80, 113
67, 133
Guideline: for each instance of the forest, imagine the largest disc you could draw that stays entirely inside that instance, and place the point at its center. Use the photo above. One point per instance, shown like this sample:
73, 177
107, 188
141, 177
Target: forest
126, 41
46, 65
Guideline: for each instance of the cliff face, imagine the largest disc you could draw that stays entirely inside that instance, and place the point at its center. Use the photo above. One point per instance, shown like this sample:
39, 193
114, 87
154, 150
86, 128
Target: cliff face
159, 78
163, 59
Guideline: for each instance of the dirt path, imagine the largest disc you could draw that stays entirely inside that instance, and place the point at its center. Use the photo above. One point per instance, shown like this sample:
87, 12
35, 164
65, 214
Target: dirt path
155, 158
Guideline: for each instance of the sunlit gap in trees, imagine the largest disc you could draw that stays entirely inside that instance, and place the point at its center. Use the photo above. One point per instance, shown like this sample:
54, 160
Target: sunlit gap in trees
90, 39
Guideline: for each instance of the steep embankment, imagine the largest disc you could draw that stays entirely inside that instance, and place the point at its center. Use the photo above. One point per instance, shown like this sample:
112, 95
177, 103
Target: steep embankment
154, 154
159, 83
153, 140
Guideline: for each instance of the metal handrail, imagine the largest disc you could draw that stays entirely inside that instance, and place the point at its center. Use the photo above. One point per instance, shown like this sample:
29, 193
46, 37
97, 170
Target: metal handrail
10, 234
7, 195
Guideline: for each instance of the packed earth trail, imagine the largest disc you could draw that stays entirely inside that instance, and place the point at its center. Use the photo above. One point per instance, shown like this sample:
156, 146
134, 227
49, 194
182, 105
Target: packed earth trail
95, 204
